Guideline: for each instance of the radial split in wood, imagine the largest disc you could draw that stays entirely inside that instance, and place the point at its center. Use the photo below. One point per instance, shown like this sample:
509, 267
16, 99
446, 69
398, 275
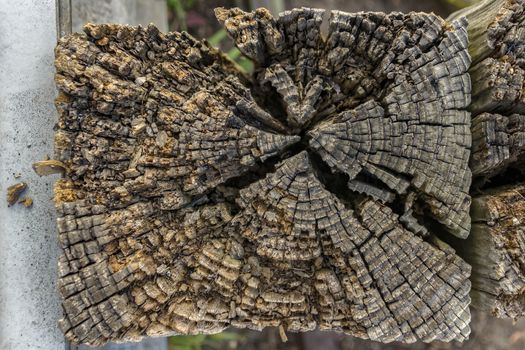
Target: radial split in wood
304, 196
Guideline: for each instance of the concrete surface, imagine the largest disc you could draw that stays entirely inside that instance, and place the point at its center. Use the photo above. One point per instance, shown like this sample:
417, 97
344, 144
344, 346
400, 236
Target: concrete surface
29, 303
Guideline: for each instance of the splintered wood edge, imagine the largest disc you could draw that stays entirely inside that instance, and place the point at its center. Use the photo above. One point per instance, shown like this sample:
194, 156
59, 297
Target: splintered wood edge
497, 142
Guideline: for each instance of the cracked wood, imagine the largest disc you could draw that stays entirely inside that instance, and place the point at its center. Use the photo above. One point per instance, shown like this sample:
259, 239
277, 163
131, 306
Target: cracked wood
306, 195
496, 251
495, 246
496, 35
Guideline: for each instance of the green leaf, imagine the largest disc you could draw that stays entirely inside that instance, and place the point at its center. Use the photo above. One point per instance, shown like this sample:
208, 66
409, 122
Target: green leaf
180, 12
233, 53
187, 342
174, 4
188, 4
246, 64
196, 342
461, 3
225, 336
217, 38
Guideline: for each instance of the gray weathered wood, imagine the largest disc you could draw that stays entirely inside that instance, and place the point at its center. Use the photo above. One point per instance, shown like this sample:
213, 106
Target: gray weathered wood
496, 251
196, 198
496, 36
63, 17
495, 246
497, 142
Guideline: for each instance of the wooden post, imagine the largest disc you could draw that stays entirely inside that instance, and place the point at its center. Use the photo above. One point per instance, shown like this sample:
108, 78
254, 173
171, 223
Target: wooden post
64, 17
29, 300
75, 13
304, 196
496, 245
495, 249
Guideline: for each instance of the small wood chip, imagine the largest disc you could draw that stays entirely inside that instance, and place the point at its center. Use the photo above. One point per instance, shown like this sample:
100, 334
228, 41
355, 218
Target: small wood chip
14, 191
282, 334
48, 167
26, 201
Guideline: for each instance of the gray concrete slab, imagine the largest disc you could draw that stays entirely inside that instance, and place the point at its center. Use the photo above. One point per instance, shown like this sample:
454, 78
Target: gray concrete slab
29, 305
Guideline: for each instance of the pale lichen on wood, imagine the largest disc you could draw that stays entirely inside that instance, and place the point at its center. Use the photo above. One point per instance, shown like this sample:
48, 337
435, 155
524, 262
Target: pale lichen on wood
304, 196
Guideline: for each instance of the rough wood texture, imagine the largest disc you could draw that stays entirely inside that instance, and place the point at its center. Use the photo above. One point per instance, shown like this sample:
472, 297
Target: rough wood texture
495, 246
496, 35
496, 251
497, 142
304, 196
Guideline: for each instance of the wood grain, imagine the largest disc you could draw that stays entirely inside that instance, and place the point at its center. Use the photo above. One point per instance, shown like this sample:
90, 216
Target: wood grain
496, 251
495, 245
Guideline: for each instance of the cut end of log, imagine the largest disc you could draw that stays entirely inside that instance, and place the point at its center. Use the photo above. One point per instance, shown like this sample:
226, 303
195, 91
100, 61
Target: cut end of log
302, 198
